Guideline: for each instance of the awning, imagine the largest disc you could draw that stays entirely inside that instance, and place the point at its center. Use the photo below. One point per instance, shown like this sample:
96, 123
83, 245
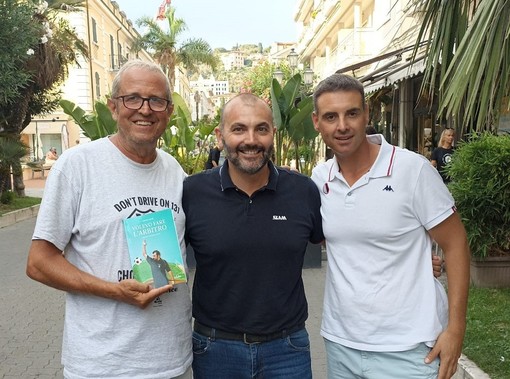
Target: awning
395, 53
395, 74
44, 127
380, 70
389, 72
378, 58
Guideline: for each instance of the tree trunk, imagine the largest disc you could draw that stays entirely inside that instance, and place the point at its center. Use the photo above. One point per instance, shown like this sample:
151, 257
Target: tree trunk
5, 182
17, 121
17, 176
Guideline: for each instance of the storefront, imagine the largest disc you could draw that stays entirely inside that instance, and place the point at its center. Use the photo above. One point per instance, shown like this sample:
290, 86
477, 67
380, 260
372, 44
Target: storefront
399, 110
42, 134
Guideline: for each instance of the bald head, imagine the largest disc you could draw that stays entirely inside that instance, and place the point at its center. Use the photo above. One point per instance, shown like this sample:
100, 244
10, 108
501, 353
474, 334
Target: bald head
246, 99
246, 133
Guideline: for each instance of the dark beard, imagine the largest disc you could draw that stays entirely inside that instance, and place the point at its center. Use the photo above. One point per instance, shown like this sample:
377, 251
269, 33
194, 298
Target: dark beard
233, 158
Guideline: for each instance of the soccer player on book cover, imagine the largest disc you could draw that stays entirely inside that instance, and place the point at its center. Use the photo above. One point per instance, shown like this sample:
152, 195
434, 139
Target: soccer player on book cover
160, 268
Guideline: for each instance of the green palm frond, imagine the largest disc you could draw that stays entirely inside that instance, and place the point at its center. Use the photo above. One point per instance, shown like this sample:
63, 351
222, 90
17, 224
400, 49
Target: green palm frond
195, 51
12, 150
164, 46
467, 47
176, 25
443, 26
480, 69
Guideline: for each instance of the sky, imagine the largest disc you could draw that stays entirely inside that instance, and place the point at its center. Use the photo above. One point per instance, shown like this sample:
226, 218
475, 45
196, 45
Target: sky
225, 23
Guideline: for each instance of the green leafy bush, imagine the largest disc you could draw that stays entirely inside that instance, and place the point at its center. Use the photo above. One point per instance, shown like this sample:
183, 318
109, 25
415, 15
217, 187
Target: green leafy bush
480, 172
7, 197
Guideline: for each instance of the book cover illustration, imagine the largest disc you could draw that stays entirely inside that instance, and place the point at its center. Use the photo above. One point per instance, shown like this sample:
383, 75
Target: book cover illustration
154, 249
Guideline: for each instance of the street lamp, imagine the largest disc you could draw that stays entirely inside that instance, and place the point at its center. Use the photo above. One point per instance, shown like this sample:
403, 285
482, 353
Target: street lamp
278, 75
308, 76
293, 59
197, 102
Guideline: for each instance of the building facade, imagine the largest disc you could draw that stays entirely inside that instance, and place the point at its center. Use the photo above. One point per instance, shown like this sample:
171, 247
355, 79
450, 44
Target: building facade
109, 36
215, 87
232, 59
372, 40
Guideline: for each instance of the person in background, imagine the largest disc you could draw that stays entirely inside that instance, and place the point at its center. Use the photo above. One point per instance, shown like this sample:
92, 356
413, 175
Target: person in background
51, 157
442, 154
112, 322
381, 208
214, 157
249, 224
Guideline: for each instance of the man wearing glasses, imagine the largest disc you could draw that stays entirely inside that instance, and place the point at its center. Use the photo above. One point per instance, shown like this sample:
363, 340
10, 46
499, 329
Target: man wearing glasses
135, 102
112, 322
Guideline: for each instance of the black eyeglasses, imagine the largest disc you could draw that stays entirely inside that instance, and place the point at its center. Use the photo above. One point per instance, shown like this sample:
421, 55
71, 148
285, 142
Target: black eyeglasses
135, 102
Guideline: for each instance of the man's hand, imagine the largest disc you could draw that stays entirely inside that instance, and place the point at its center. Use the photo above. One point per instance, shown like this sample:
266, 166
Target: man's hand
47, 265
139, 294
450, 236
437, 265
448, 347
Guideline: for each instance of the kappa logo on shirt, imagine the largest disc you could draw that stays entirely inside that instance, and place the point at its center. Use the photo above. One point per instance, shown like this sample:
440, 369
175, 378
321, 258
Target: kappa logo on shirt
279, 218
388, 188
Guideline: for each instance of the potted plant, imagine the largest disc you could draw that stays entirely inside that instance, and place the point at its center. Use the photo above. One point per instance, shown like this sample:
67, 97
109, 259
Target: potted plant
480, 185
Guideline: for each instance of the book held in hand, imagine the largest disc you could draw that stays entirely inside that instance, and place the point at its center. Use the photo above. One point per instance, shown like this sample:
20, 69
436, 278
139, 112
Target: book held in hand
154, 249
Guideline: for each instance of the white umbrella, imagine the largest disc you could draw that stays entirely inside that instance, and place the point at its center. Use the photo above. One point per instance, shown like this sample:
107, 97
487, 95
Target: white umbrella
39, 154
64, 136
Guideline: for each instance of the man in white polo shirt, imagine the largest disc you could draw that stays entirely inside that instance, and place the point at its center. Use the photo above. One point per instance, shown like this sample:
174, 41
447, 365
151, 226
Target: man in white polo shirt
381, 208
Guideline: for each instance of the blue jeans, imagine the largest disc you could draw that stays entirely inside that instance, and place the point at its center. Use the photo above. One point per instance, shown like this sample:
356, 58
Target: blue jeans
283, 358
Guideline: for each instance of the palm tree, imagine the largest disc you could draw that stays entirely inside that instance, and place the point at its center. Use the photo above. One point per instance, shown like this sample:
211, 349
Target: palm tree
56, 49
165, 49
468, 58
11, 151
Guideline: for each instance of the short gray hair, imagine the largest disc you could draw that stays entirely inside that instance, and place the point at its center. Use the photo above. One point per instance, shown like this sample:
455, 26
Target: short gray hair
335, 83
137, 63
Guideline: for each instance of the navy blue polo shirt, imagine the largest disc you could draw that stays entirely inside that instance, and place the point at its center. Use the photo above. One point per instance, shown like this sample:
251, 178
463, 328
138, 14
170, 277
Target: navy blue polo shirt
250, 250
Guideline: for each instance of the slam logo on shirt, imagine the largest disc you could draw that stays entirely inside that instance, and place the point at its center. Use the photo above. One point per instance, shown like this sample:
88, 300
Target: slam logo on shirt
279, 218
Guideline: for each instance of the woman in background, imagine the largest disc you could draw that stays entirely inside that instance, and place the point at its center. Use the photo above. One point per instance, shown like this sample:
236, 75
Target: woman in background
442, 154
51, 157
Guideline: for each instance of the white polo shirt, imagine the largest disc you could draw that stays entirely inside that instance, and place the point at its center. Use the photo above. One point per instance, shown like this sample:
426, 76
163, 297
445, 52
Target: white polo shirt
380, 294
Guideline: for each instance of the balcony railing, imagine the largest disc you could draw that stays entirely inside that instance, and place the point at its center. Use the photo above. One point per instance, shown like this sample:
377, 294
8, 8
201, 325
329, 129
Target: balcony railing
354, 45
116, 61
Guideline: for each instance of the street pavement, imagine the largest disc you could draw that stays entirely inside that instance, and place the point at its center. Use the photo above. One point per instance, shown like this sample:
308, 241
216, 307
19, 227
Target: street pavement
31, 314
